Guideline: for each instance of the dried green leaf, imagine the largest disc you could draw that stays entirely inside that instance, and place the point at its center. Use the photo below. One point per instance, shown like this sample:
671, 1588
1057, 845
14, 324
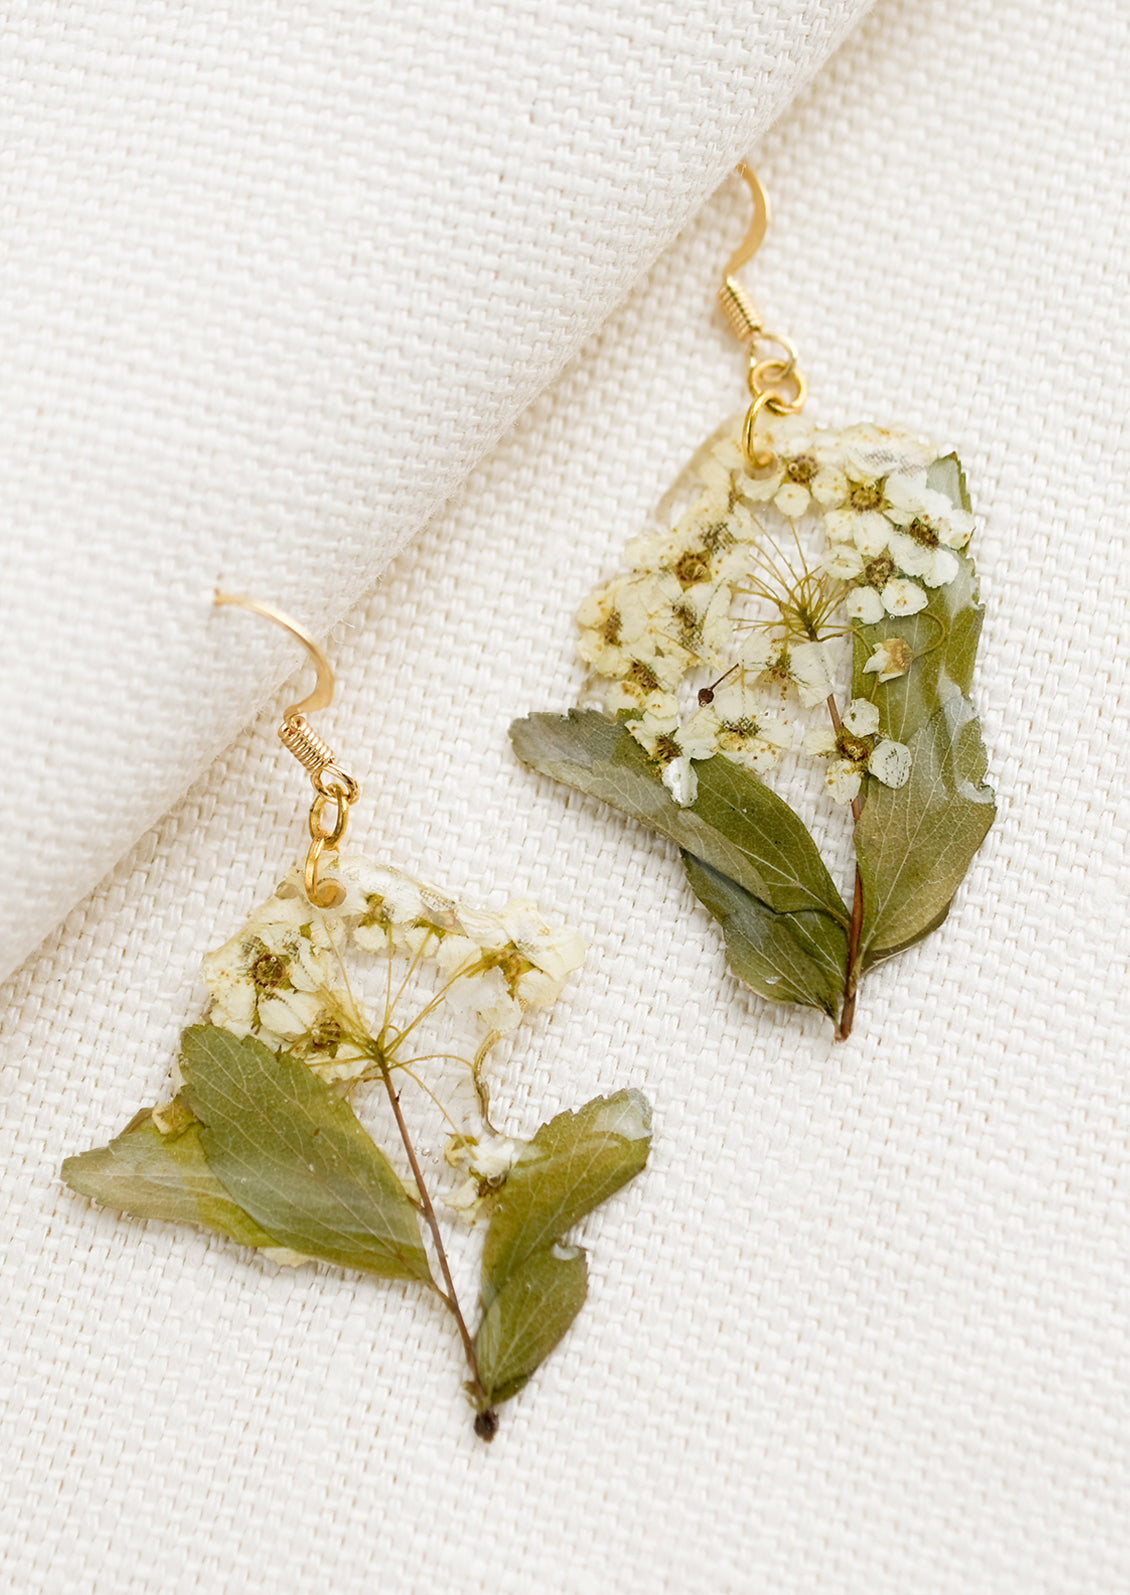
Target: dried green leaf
165, 1176
296, 1158
573, 1163
797, 958
528, 1317
736, 824
916, 842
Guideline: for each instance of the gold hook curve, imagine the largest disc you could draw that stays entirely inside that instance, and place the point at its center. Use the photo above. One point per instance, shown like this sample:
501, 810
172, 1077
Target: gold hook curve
757, 227
323, 693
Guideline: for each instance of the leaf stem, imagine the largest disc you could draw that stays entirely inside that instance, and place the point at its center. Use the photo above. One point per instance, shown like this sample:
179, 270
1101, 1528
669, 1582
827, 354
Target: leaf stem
486, 1419
851, 972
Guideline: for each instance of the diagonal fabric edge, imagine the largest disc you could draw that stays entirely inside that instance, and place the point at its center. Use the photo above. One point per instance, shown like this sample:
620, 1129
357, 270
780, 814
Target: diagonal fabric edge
213, 412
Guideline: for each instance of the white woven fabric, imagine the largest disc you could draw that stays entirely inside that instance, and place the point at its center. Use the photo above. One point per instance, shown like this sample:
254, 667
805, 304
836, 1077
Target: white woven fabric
276, 275
861, 1327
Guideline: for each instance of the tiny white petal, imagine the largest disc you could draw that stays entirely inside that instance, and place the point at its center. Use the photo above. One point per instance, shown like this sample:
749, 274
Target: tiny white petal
861, 718
943, 569
843, 560
843, 780
890, 763
901, 596
681, 781
792, 499
811, 671
820, 741
829, 485
871, 532
865, 604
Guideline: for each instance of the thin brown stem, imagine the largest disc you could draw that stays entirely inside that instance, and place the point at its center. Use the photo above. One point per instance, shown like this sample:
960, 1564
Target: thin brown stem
486, 1419
851, 972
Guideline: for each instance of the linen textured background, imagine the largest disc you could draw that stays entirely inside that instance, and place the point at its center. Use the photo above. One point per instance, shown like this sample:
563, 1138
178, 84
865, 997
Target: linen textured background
861, 1326
276, 277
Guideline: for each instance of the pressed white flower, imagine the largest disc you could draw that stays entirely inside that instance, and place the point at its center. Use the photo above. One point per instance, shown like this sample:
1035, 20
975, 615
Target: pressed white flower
935, 565
487, 1161
805, 467
616, 620
889, 594
737, 725
860, 519
660, 732
803, 665
653, 633
911, 500
554, 949
279, 979
858, 747
696, 629
890, 658
869, 452
703, 547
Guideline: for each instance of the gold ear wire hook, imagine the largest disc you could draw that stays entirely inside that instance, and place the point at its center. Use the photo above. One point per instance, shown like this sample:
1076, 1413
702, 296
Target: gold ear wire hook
775, 384
323, 693
330, 782
741, 312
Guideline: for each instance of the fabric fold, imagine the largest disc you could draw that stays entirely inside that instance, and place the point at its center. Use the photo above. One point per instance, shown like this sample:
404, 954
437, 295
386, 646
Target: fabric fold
276, 281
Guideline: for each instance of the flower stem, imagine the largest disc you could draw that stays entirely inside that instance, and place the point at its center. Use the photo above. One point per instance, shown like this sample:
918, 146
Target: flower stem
851, 972
486, 1419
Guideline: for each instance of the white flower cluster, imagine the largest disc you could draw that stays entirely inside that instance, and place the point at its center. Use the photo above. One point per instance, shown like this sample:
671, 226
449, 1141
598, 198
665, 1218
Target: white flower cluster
282, 976
682, 608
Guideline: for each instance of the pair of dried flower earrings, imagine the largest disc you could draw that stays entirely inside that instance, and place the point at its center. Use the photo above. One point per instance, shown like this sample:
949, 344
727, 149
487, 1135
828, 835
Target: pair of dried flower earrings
777, 541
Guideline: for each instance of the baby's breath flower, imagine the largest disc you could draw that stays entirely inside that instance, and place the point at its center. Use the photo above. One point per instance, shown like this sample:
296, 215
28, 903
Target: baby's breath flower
856, 748
803, 666
892, 657
279, 979
617, 619
735, 723
881, 592
486, 1161
805, 468
868, 452
861, 517
911, 500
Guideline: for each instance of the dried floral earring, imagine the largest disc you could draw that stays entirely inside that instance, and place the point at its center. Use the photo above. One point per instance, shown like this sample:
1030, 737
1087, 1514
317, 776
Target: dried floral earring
260, 1143
779, 541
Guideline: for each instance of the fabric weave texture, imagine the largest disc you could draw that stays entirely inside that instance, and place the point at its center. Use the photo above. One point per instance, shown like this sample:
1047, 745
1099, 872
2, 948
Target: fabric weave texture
860, 1328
